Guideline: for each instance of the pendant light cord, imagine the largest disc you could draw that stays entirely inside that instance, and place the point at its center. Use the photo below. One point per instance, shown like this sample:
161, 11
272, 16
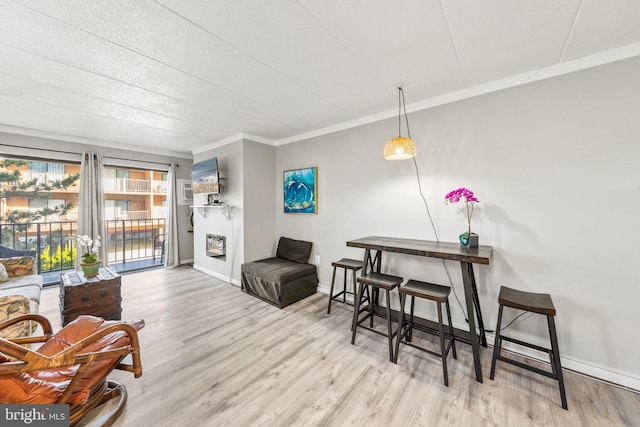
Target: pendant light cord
426, 205
404, 107
444, 264
400, 112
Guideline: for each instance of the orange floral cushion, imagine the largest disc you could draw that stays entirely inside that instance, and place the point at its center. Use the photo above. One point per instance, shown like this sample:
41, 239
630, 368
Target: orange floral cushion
13, 306
19, 266
3, 274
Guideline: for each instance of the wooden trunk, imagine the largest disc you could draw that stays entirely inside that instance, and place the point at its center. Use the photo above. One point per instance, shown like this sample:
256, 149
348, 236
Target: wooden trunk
97, 296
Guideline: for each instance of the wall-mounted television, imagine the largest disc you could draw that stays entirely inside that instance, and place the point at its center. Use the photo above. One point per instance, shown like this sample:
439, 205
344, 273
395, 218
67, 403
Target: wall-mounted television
205, 178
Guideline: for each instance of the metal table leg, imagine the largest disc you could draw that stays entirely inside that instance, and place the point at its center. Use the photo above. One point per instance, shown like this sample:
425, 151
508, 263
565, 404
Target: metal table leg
467, 280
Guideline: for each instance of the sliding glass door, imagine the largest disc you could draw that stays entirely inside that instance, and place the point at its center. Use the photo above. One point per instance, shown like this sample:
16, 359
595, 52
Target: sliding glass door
39, 211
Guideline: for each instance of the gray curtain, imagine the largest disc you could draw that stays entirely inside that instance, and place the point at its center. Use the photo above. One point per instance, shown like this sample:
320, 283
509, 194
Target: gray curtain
91, 203
172, 258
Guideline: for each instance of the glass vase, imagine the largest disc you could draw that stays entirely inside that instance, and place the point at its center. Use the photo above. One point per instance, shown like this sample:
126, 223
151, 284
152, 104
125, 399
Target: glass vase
469, 240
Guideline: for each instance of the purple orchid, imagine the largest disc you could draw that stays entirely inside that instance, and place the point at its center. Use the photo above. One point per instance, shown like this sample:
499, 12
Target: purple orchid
467, 196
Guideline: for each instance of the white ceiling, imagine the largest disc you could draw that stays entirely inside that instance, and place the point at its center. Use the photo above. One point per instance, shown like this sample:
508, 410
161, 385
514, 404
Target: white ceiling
180, 75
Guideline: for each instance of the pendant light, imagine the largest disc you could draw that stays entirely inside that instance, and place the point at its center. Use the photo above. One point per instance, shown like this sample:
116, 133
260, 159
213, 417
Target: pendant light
400, 148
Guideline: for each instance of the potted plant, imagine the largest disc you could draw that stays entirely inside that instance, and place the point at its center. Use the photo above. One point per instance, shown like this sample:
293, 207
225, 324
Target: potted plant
90, 262
467, 239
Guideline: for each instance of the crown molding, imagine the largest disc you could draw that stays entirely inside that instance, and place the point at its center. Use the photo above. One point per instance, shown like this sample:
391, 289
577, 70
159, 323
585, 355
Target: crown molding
81, 140
256, 138
556, 70
231, 139
228, 140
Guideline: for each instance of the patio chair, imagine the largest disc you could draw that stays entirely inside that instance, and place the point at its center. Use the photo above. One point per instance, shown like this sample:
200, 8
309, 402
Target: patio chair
7, 252
158, 245
70, 366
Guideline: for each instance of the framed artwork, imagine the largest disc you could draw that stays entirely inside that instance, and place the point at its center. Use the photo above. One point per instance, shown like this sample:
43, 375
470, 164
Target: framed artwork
301, 191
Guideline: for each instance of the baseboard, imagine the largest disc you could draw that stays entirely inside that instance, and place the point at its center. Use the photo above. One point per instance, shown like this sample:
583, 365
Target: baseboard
619, 378
608, 375
217, 275
186, 261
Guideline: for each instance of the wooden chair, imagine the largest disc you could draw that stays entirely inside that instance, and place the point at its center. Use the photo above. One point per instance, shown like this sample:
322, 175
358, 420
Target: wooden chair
70, 366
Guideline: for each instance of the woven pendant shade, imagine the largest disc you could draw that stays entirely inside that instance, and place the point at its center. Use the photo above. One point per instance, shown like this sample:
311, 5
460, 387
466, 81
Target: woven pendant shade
399, 148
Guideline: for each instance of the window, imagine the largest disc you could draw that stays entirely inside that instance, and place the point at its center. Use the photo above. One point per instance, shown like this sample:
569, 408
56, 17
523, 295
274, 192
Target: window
39, 204
134, 210
116, 209
38, 167
36, 204
121, 173
46, 172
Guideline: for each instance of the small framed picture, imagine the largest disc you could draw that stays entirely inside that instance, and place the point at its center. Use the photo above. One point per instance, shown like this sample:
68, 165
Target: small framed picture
301, 191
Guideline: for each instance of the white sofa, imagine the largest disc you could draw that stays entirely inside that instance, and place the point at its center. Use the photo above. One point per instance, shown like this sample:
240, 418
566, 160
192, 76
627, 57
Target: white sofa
20, 294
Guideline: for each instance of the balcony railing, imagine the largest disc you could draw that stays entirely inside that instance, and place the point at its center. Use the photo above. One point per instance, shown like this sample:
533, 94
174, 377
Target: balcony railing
112, 185
126, 240
120, 214
45, 177
133, 239
127, 185
54, 252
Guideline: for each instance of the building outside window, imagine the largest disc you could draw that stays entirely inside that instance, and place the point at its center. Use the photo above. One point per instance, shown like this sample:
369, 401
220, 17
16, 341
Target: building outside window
116, 209
36, 205
135, 210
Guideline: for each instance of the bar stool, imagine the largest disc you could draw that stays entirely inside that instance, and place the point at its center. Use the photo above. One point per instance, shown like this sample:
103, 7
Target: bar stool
439, 294
535, 303
377, 281
346, 264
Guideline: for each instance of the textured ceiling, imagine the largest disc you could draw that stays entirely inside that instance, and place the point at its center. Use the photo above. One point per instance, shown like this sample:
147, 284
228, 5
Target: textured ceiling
176, 75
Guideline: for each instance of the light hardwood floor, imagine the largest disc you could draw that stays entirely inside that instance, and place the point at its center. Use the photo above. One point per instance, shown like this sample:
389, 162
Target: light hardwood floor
214, 356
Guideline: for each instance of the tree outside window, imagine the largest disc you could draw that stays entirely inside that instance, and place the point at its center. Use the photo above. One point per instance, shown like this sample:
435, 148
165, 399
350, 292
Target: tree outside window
25, 188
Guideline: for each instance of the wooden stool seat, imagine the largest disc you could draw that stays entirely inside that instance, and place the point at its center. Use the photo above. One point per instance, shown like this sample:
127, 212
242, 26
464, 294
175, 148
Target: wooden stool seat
382, 281
352, 265
535, 303
528, 301
349, 264
377, 281
439, 294
426, 290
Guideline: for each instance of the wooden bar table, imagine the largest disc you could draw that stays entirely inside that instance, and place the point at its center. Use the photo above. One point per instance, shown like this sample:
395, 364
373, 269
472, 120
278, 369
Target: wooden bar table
442, 250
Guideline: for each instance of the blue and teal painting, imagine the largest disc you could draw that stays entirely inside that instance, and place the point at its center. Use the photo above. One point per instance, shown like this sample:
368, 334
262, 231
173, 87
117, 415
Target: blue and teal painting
300, 190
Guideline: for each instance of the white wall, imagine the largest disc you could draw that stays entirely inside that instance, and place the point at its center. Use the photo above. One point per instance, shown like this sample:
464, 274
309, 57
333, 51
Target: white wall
230, 169
259, 203
554, 164
247, 168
